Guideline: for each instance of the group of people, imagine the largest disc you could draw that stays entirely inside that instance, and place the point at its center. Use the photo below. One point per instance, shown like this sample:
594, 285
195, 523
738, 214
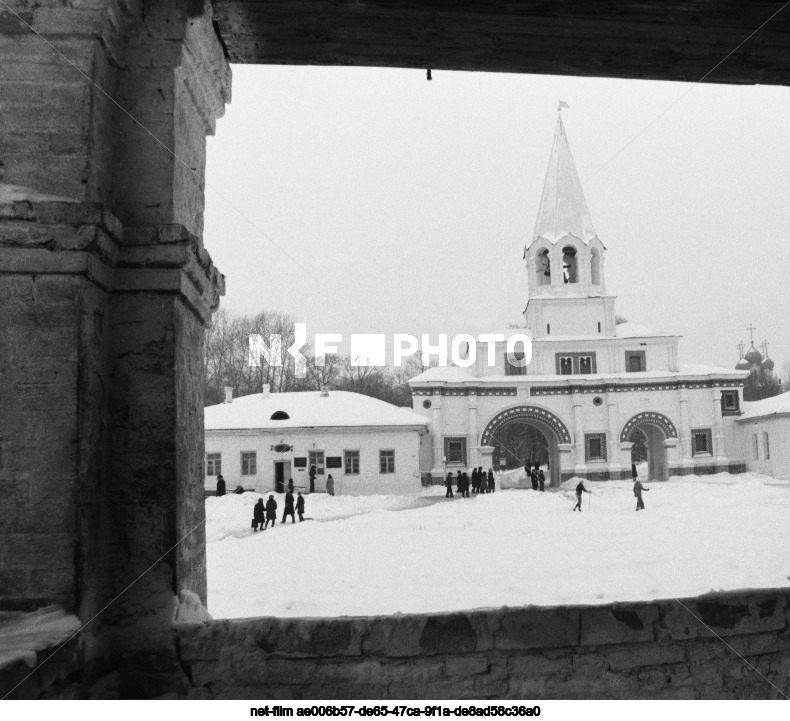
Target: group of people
262, 515
479, 482
537, 476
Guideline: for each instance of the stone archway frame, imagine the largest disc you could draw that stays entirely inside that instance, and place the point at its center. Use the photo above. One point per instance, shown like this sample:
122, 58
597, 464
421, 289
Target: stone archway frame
526, 413
652, 418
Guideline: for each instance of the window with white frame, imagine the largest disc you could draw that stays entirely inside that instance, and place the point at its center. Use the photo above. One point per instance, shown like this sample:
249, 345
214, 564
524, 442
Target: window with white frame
249, 463
767, 447
701, 442
351, 462
213, 464
317, 460
387, 461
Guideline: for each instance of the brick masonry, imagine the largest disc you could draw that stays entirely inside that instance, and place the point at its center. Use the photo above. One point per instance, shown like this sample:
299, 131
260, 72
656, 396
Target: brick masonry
657, 649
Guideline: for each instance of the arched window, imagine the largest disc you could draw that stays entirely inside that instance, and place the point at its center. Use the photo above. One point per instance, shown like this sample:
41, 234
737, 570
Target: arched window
280, 416
595, 267
543, 268
569, 270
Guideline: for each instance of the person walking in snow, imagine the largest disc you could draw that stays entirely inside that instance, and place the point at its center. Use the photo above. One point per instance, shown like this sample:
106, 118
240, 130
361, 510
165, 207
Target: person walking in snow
289, 507
220, 485
257, 515
541, 480
638, 488
579, 490
633, 471
475, 480
312, 479
300, 506
534, 476
448, 484
271, 511
330, 485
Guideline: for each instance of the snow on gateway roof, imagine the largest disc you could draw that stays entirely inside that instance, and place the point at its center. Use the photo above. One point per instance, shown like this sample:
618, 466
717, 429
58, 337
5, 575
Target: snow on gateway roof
773, 406
308, 409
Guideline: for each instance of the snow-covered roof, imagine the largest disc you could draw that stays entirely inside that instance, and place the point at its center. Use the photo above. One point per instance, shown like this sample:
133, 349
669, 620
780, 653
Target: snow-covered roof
308, 409
774, 406
563, 209
453, 374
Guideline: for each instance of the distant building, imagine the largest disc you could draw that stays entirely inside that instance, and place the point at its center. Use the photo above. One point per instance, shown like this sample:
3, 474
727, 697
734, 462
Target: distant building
764, 434
594, 388
761, 381
261, 440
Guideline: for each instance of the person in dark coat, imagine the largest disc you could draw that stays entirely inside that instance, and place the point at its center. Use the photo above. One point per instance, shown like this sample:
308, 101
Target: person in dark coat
491, 486
475, 480
579, 490
481, 478
330, 485
300, 506
220, 485
541, 480
534, 476
465, 491
312, 479
638, 488
634, 474
271, 511
289, 507
290, 485
257, 515
448, 484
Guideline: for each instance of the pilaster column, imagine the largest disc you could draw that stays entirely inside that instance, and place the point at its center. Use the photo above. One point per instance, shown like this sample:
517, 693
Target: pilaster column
437, 431
578, 429
472, 436
684, 430
615, 464
718, 427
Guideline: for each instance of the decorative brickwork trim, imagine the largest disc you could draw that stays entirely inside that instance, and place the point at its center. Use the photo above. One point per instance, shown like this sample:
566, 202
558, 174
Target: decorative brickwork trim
527, 413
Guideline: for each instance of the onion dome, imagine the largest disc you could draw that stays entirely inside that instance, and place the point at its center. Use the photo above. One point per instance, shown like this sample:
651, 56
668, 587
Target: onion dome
767, 364
754, 356
742, 365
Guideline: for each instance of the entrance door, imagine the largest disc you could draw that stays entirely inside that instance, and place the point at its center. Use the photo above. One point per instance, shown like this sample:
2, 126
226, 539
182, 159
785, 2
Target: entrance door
282, 472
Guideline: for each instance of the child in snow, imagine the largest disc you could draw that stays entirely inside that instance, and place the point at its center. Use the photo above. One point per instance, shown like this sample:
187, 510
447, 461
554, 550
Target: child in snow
579, 490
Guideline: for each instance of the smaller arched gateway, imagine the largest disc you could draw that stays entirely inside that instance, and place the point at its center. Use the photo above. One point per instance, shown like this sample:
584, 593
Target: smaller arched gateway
547, 423
653, 429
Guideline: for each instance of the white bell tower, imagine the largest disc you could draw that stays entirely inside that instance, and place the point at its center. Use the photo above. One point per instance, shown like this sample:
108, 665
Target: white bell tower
565, 260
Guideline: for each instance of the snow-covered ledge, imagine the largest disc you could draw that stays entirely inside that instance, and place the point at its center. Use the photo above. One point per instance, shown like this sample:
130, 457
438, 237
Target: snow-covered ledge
23, 635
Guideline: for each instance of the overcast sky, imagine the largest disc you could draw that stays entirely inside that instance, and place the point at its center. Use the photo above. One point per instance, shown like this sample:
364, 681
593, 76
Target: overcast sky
374, 201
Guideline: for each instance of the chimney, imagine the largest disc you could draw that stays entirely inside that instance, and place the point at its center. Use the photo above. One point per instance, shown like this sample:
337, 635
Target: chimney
265, 391
228, 394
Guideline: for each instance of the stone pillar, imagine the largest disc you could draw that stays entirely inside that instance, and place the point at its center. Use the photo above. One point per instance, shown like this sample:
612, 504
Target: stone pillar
615, 460
718, 427
437, 433
555, 261
107, 290
472, 436
684, 447
578, 431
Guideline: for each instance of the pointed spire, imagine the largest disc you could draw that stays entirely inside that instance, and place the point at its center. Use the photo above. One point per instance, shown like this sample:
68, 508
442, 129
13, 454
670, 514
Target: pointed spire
562, 209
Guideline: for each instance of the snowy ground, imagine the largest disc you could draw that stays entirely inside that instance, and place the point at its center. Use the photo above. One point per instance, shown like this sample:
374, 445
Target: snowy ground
391, 554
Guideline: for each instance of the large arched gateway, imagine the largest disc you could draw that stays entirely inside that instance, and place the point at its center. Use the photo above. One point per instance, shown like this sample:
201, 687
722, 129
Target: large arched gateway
549, 426
656, 429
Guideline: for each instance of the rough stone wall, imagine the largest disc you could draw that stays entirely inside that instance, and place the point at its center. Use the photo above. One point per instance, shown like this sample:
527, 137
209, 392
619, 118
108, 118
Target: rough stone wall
107, 290
634, 650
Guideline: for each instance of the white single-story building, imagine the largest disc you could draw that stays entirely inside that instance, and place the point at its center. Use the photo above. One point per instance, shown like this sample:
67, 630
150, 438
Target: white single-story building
262, 440
764, 434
